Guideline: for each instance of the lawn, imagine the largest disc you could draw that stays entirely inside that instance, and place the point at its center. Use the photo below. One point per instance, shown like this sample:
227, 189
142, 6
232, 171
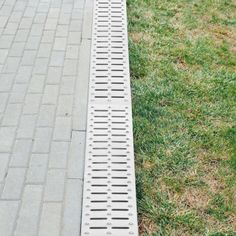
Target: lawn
183, 70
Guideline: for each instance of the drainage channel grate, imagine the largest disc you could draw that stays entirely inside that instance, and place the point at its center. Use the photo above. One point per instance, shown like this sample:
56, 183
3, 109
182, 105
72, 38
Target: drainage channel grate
109, 198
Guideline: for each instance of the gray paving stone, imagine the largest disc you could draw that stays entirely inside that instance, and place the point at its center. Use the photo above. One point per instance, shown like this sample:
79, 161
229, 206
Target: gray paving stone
67, 7
3, 21
17, 49
58, 155
36, 29
32, 103
26, 126
40, 18
19, 6
76, 155
14, 183
33, 4
44, 50
36, 84
46, 116
54, 189
60, 44
50, 219
51, 24
67, 85
10, 24
54, 75
21, 152
54, 12
24, 74
28, 57
42, 140
57, 58
4, 160
8, 214
16, 16
3, 101
18, 93
48, 36
30, 211
41, 66
72, 208
64, 18
11, 28
79, 4
80, 107
65, 105
12, 115
21, 35
62, 131
11, 65
74, 38
33, 42
6, 9
72, 52
43, 7
6, 41
7, 135
77, 14
70, 67
3, 55
6, 81
62, 30
56, 4
50, 94
1, 187
88, 6
30, 12
76, 25
37, 169
26, 23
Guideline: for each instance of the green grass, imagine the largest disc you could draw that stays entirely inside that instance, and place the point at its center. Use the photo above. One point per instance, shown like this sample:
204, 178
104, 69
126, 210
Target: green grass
183, 69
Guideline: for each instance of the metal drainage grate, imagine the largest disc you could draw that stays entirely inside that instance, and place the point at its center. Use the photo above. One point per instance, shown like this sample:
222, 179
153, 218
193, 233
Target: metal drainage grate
109, 198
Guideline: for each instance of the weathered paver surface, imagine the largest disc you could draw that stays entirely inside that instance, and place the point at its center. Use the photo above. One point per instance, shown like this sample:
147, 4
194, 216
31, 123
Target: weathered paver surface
44, 51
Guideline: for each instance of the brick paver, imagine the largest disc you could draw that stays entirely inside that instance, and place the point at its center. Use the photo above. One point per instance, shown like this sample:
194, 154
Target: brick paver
42, 120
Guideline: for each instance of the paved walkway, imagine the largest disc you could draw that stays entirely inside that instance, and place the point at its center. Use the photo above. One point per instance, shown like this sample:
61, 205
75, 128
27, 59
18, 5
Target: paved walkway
44, 61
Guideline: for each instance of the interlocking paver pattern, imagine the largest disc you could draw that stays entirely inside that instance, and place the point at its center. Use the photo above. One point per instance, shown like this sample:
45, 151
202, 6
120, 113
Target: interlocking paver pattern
40, 172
